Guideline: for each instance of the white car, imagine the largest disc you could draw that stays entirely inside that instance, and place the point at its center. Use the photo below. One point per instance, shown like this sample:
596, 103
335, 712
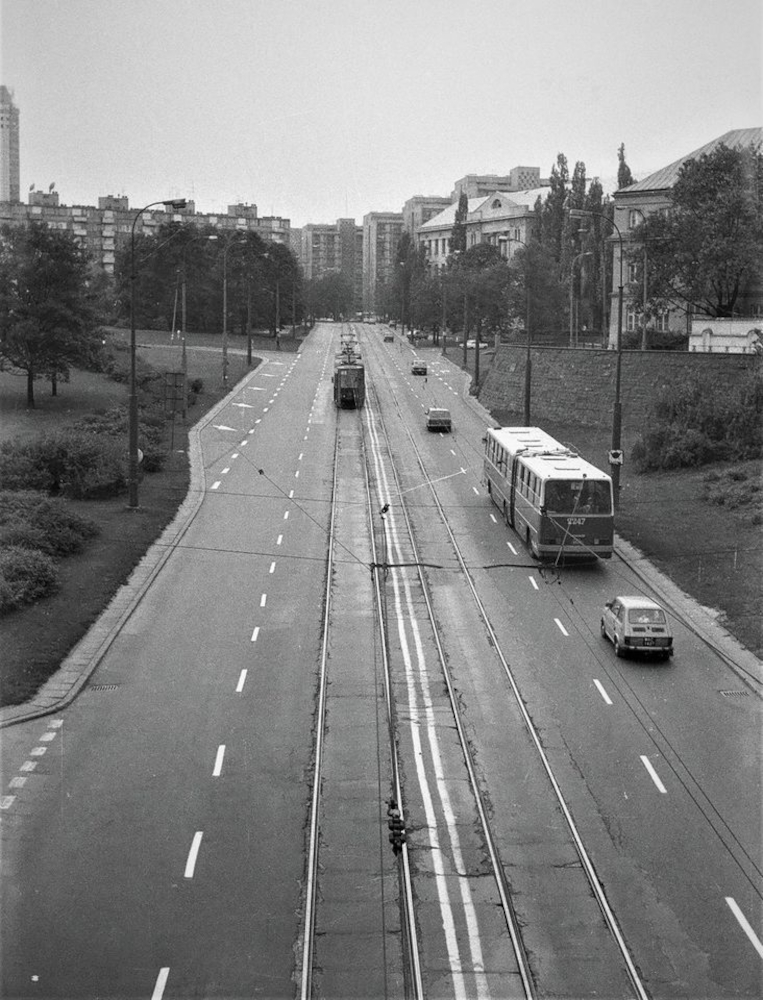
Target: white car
637, 625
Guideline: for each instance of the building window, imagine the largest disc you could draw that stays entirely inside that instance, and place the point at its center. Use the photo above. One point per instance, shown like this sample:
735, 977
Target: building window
635, 218
662, 322
632, 272
630, 320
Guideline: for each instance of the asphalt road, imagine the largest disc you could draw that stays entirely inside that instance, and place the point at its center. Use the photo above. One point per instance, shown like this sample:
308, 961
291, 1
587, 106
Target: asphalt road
155, 844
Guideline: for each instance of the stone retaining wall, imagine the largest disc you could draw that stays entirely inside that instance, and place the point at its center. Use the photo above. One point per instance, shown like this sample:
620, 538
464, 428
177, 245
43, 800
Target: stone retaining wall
577, 384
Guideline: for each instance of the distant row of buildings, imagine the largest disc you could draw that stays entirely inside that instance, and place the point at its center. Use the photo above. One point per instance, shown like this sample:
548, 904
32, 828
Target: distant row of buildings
500, 212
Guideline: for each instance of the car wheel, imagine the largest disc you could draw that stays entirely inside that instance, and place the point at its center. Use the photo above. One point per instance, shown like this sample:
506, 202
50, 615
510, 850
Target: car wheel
619, 651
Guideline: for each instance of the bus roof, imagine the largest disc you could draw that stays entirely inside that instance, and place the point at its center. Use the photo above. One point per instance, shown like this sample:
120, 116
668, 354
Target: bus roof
543, 455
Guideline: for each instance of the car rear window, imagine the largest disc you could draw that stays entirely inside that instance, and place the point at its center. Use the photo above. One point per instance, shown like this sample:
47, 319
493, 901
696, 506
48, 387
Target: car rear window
646, 616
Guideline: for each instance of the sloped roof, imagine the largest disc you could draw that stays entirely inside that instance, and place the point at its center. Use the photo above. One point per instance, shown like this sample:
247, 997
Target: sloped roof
666, 177
448, 215
519, 199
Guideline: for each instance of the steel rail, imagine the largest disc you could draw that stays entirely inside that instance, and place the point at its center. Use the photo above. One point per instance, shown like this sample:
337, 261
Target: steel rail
504, 891
411, 934
308, 932
588, 867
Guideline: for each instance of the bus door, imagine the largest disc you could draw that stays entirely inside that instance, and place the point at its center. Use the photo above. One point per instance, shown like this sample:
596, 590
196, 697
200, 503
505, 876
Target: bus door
513, 487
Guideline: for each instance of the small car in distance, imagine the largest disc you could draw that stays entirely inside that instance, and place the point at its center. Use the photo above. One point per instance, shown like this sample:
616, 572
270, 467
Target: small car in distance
388, 338
438, 419
637, 625
418, 367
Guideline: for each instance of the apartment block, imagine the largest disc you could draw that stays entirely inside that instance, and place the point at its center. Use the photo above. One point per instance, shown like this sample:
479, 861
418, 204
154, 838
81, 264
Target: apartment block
10, 159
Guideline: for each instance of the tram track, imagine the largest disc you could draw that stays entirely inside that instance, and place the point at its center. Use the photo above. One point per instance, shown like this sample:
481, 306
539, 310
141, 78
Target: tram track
498, 864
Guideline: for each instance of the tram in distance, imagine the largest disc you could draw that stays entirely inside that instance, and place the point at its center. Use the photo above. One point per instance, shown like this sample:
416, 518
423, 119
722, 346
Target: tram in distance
559, 504
349, 377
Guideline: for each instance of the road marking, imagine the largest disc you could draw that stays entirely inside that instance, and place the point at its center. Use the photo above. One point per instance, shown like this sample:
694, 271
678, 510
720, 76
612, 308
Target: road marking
217, 770
743, 923
563, 629
296, 474
47, 737
492, 518
39, 751
241, 682
279, 539
214, 486
263, 599
161, 982
602, 692
193, 854
56, 724
300, 456
512, 548
28, 765
251, 429
532, 581
255, 633
7, 801
17, 782
272, 567
244, 443
476, 490
257, 421
286, 515
463, 470
452, 452
234, 455
653, 774
225, 471
291, 494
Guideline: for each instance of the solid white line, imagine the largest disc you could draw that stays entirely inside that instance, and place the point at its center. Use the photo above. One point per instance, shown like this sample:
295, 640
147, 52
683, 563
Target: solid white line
532, 581
602, 692
756, 943
263, 599
653, 774
214, 486
161, 982
193, 854
564, 630
255, 633
241, 682
219, 761
272, 567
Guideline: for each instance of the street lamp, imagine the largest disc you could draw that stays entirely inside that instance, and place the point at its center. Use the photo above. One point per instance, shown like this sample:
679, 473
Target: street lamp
580, 256
231, 241
175, 204
615, 455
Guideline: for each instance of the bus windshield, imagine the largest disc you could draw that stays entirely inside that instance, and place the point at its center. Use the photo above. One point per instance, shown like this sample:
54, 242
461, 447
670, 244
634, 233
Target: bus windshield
574, 496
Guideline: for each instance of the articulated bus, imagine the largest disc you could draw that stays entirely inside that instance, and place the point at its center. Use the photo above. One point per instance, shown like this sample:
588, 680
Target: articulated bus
558, 503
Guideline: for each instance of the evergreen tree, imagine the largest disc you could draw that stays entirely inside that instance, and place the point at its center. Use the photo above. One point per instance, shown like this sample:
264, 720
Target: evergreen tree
457, 241
624, 175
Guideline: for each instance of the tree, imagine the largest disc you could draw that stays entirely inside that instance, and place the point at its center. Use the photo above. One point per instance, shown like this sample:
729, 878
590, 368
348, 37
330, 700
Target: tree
705, 253
457, 241
46, 308
624, 175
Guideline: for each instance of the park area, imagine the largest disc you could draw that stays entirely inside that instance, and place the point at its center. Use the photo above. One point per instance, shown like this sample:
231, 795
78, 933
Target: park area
698, 526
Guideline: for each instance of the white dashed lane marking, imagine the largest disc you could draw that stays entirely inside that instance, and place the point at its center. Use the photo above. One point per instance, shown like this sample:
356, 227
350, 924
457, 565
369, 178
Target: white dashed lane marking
190, 865
653, 774
602, 692
217, 770
241, 682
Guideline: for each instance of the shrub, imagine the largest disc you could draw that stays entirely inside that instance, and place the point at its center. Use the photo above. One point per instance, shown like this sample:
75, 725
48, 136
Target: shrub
25, 576
196, 385
702, 420
42, 522
19, 469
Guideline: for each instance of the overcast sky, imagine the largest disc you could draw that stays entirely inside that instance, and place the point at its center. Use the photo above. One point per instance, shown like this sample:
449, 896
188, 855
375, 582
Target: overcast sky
320, 109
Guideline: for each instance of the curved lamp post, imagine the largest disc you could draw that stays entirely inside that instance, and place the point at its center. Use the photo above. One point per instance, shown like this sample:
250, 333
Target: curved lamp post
132, 467
615, 455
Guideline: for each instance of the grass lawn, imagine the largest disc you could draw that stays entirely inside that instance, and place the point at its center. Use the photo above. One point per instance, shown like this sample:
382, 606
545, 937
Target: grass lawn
35, 639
